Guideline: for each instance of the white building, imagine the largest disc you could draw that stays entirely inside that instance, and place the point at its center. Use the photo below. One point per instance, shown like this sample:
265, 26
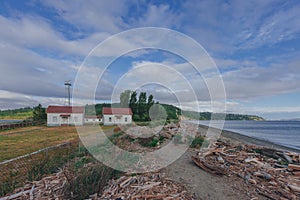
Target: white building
92, 119
111, 116
65, 115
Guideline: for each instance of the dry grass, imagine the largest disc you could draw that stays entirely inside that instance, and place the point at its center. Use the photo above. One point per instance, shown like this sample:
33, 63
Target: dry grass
22, 141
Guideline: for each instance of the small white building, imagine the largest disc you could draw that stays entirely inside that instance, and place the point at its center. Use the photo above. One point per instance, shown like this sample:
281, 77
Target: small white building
92, 119
65, 115
112, 116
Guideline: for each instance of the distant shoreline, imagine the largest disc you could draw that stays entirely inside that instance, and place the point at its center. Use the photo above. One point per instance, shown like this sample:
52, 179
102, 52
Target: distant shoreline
248, 140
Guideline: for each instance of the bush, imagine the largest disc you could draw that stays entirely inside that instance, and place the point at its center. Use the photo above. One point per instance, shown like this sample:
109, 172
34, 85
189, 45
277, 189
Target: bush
85, 181
197, 142
148, 142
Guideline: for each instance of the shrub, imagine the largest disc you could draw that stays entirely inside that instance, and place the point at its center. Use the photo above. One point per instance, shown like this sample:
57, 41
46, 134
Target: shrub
148, 142
197, 142
84, 181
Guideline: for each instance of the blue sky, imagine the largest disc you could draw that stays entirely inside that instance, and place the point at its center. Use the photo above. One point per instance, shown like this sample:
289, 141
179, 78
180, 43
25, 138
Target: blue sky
255, 45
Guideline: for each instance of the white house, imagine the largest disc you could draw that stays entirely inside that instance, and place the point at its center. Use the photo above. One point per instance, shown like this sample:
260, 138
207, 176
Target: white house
92, 119
65, 115
111, 116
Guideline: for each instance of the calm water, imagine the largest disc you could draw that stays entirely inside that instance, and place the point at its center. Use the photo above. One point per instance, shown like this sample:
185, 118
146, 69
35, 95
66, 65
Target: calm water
286, 133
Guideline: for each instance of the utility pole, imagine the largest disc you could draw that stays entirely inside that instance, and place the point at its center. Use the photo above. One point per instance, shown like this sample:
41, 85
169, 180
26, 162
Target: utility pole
68, 85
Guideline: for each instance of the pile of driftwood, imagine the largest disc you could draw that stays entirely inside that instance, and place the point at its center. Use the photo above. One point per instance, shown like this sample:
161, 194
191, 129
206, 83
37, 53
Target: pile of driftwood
146, 186
50, 187
274, 174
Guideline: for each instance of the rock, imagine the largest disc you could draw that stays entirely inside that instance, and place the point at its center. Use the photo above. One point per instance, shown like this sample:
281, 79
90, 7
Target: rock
267, 176
220, 160
287, 158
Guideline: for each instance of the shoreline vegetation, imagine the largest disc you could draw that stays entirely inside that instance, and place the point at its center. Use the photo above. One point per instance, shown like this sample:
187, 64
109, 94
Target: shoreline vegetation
172, 113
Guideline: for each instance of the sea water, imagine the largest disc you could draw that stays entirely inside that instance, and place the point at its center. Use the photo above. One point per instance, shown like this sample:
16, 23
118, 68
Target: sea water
285, 133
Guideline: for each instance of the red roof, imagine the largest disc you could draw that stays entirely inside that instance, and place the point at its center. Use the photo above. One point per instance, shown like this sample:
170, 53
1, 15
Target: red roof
65, 109
118, 111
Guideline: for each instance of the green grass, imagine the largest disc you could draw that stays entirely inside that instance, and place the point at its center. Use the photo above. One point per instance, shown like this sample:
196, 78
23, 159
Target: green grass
22, 141
19, 115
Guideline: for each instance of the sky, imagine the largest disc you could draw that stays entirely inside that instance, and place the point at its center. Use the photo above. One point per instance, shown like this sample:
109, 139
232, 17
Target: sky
255, 46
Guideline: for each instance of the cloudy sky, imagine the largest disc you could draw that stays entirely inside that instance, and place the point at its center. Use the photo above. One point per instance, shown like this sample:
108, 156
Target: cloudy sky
254, 44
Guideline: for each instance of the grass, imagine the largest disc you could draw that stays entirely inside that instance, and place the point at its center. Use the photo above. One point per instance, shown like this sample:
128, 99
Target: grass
26, 140
18, 116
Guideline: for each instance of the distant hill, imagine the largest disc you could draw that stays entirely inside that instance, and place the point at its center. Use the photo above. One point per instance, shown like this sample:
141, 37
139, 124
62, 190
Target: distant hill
219, 116
19, 113
173, 112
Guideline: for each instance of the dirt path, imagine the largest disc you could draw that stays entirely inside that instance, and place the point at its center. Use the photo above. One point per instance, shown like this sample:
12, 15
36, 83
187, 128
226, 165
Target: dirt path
202, 184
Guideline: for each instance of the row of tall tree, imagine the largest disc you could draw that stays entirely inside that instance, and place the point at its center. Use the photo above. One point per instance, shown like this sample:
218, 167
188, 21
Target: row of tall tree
139, 105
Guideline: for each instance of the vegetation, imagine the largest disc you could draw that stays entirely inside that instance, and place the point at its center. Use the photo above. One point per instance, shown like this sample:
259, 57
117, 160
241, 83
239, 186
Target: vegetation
172, 111
124, 98
197, 142
20, 113
148, 142
219, 116
86, 176
39, 114
144, 108
22, 141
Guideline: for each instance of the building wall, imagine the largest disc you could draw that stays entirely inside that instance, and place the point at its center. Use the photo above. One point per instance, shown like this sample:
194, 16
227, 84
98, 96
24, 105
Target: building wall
92, 120
54, 119
116, 119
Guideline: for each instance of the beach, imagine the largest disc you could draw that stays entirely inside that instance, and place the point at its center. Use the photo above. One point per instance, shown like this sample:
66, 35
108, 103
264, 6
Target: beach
235, 185
247, 140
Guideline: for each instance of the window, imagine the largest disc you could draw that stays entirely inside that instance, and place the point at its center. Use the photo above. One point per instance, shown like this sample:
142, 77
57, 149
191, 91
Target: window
54, 119
109, 119
75, 119
125, 119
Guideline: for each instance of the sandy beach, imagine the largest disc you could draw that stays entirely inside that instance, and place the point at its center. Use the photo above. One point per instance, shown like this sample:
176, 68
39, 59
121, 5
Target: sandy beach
204, 185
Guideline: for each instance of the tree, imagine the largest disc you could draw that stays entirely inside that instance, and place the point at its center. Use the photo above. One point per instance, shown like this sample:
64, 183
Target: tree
39, 114
133, 104
124, 98
158, 113
142, 106
150, 103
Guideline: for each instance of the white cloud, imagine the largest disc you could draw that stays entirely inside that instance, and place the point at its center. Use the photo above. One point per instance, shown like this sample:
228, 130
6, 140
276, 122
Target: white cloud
253, 82
92, 15
160, 16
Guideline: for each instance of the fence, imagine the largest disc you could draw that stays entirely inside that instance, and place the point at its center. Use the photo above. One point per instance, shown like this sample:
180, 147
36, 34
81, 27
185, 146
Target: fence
15, 172
13, 125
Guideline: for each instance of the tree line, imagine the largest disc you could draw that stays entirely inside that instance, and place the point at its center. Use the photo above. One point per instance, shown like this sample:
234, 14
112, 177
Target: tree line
140, 105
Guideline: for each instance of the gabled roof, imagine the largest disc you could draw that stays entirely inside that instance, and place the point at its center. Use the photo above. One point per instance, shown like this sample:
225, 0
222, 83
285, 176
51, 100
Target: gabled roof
116, 111
65, 109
